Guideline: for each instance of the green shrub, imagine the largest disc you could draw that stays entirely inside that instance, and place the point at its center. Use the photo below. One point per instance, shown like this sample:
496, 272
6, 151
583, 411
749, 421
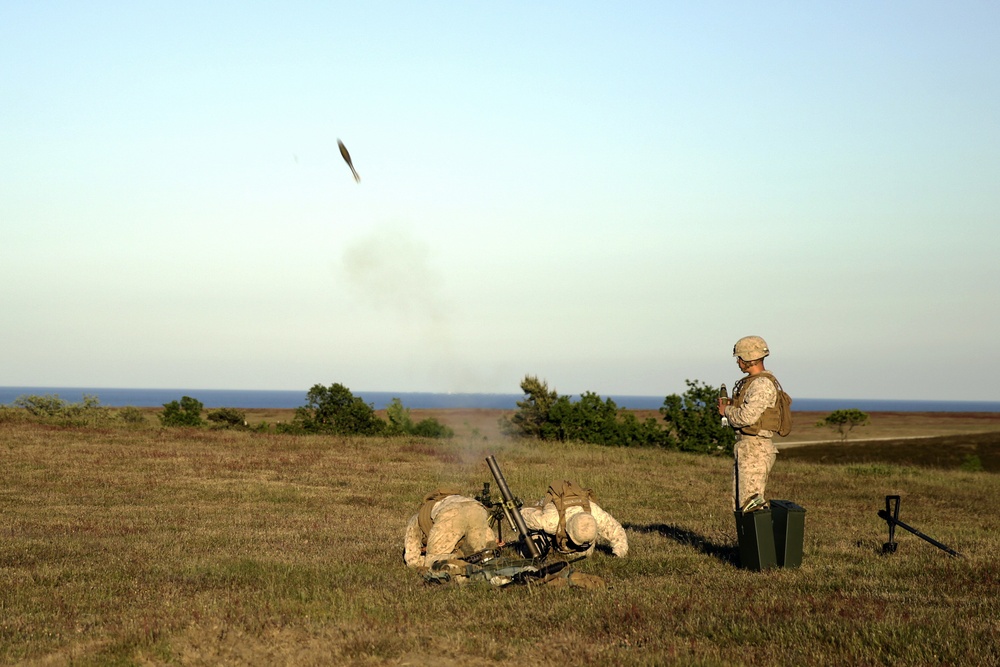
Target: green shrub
228, 418
972, 463
47, 406
132, 416
335, 409
185, 413
431, 428
399, 418
401, 423
9, 415
693, 420
52, 409
546, 415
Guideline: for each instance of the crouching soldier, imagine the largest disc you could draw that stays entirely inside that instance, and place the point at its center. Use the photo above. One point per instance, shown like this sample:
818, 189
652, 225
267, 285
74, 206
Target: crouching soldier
448, 526
571, 515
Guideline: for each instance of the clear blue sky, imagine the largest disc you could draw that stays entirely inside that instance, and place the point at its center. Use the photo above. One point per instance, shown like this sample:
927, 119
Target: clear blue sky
606, 195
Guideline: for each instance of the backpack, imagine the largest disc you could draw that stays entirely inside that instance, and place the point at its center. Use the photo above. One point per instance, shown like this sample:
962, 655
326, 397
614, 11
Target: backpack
563, 494
777, 418
784, 405
424, 513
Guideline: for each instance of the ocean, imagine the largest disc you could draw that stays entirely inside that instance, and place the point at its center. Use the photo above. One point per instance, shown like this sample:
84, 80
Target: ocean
246, 399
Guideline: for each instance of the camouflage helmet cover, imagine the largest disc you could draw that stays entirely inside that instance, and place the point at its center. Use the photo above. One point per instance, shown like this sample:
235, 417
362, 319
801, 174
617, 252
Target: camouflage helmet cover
582, 529
750, 348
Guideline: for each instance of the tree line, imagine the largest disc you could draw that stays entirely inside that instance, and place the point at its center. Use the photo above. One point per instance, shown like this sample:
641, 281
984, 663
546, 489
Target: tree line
688, 422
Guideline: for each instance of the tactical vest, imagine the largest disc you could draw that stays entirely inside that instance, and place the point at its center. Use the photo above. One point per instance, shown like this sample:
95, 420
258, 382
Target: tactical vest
424, 519
776, 418
565, 494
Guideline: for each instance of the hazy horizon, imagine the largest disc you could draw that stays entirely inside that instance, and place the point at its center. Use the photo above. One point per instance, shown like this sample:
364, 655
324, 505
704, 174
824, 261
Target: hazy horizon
9, 393
604, 195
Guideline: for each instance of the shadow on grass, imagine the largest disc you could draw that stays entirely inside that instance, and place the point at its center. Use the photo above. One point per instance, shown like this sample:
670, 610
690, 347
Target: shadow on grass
727, 553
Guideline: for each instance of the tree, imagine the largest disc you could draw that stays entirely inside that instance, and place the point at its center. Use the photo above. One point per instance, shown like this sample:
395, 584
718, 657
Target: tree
588, 420
185, 413
693, 419
548, 416
843, 421
401, 423
335, 409
532, 416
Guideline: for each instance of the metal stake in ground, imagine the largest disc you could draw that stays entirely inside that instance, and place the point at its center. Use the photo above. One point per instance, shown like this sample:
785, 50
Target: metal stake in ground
891, 516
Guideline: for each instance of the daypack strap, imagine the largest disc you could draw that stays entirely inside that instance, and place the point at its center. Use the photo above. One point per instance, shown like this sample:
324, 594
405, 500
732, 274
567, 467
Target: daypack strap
564, 494
771, 419
424, 519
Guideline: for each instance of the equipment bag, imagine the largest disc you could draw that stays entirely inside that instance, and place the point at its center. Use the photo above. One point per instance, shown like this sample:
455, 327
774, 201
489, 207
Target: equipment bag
777, 418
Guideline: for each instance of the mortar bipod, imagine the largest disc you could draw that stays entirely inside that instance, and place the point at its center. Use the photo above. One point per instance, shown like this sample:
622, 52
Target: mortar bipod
891, 516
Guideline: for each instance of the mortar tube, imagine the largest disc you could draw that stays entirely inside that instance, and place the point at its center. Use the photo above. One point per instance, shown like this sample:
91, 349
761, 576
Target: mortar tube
508, 497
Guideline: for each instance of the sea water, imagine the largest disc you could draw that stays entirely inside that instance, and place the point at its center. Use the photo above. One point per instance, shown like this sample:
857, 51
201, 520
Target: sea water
246, 399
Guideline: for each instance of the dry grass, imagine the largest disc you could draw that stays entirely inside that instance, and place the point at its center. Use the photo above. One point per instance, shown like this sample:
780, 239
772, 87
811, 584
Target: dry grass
204, 547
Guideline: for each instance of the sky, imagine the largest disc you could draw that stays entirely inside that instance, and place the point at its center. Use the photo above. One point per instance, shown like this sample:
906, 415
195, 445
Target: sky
605, 195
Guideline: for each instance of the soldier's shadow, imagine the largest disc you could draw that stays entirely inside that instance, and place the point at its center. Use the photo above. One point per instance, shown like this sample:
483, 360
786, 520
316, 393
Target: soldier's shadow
727, 553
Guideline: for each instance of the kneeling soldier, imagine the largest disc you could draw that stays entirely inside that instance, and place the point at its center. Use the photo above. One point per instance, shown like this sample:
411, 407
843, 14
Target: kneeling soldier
572, 516
447, 526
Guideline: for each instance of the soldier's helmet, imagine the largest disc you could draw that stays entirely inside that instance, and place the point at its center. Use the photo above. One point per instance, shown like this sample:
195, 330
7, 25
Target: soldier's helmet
582, 529
750, 348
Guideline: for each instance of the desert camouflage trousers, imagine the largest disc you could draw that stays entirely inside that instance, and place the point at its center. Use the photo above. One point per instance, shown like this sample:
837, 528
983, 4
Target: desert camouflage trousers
468, 520
754, 460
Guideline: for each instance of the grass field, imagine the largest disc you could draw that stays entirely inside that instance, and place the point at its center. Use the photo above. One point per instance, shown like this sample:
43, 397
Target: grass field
197, 547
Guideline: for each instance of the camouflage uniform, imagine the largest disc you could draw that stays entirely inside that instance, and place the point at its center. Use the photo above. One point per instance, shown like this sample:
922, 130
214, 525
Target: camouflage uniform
545, 516
461, 525
755, 454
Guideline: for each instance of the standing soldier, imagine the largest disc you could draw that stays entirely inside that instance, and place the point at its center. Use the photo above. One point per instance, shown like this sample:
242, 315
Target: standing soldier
754, 414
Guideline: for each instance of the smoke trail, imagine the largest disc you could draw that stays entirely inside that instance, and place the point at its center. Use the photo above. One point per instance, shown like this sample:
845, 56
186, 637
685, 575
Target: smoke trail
391, 270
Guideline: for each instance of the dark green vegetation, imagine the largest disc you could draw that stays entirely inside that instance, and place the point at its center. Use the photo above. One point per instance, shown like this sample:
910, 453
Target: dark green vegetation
220, 546
332, 410
691, 421
186, 412
971, 452
54, 410
335, 409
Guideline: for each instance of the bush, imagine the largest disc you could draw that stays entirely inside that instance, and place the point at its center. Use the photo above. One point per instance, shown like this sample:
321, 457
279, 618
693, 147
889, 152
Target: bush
431, 428
52, 409
132, 416
400, 423
693, 420
547, 416
972, 463
588, 420
336, 410
47, 406
228, 418
185, 413
9, 415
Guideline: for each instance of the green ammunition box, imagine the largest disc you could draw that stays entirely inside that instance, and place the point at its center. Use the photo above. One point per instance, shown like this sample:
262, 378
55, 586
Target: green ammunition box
756, 540
789, 527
